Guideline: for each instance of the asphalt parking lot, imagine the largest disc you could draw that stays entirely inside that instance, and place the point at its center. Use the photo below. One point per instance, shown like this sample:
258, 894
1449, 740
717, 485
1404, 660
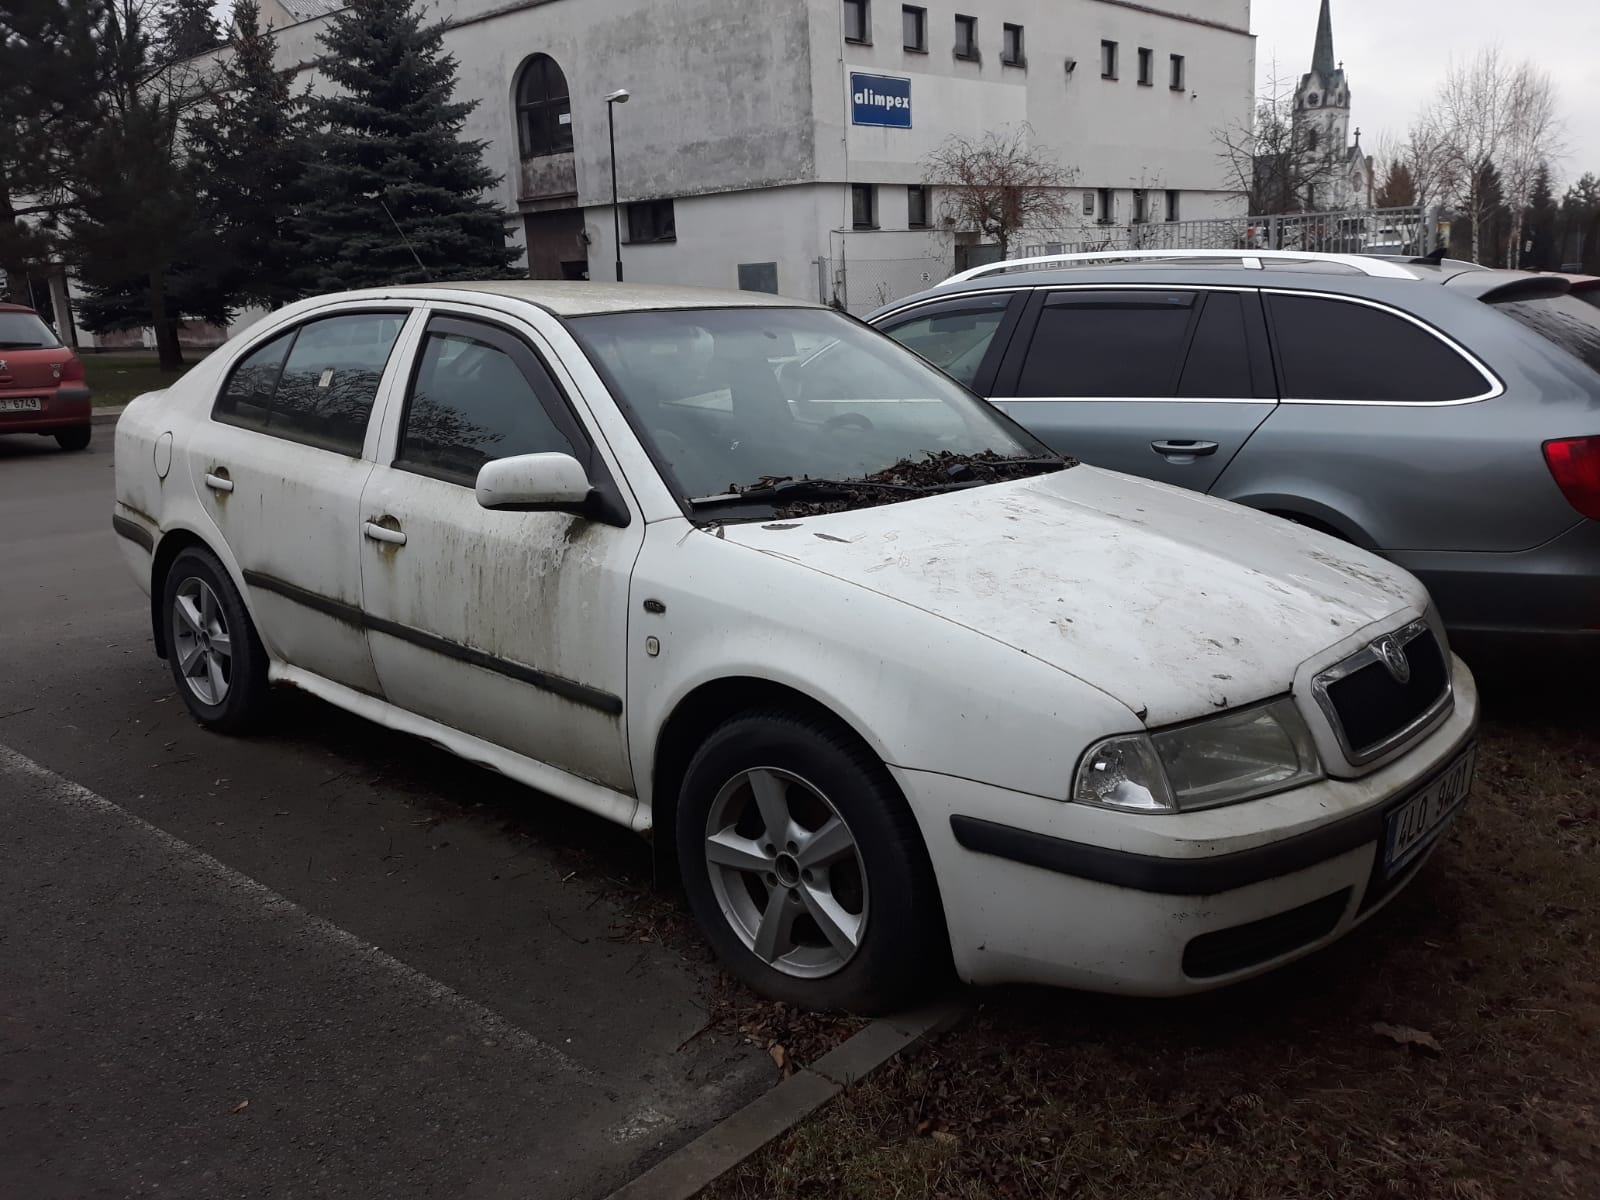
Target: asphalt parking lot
325, 962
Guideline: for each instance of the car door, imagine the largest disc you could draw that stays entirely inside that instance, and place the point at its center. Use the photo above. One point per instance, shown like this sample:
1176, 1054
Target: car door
280, 466
965, 337
510, 626
1162, 382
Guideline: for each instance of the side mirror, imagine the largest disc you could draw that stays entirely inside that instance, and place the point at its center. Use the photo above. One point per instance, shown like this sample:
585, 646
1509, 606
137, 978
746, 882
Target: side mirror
535, 483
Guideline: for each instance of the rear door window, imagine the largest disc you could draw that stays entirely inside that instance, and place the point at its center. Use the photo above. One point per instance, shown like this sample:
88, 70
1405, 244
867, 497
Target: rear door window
1109, 344
1332, 349
1568, 321
1218, 364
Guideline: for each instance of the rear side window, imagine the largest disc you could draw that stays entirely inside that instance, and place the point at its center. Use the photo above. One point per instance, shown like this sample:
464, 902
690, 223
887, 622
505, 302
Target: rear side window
316, 384
1569, 322
954, 339
1218, 364
472, 402
1112, 344
25, 331
1332, 349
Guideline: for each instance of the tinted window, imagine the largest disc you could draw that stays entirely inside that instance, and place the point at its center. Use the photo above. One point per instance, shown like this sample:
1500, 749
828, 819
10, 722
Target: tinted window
1568, 321
1108, 344
25, 331
470, 403
1336, 350
247, 396
330, 379
953, 341
1218, 365
315, 384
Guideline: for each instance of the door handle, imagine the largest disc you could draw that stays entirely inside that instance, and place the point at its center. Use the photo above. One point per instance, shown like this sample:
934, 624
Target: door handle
379, 534
218, 480
1187, 449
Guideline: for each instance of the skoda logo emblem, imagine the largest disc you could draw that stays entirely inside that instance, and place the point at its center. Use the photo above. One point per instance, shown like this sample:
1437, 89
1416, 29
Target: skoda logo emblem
1393, 656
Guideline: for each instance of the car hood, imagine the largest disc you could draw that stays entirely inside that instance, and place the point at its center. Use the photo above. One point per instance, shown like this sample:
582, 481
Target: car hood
1174, 603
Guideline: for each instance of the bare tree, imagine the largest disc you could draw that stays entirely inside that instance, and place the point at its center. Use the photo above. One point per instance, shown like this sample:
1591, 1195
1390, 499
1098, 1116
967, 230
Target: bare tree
1490, 112
1272, 160
999, 183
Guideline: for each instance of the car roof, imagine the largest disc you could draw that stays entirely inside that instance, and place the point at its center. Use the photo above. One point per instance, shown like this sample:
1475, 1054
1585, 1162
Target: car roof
575, 298
23, 308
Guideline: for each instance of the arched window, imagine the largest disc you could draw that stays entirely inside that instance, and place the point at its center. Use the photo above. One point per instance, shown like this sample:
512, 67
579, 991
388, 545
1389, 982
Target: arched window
1311, 138
544, 110
1312, 99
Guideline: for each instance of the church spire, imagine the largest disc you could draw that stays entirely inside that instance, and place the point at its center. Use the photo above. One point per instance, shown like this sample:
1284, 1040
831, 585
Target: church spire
1322, 58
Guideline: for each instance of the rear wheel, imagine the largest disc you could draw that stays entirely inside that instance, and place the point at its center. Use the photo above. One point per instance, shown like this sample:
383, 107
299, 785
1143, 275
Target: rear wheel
805, 868
76, 438
216, 657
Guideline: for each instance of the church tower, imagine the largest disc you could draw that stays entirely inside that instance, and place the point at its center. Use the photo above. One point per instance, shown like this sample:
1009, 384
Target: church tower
1322, 127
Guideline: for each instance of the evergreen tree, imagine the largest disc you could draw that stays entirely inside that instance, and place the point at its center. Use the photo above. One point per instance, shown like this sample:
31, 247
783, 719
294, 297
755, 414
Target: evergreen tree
393, 192
1539, 225
1580, 224
248, 149
188, 28
1399, 187
1495, 226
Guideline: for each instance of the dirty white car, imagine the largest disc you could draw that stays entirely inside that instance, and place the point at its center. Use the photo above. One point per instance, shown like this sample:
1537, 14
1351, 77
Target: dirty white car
895, 686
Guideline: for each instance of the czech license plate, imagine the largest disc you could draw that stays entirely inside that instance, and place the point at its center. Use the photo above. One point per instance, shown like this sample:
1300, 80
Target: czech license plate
1413, 826
19, 404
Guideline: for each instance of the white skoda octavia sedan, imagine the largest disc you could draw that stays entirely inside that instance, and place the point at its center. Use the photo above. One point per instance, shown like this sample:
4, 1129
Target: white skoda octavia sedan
894, 687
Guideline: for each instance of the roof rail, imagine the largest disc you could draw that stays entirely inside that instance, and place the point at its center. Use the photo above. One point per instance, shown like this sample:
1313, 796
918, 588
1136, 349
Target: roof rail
1256, 259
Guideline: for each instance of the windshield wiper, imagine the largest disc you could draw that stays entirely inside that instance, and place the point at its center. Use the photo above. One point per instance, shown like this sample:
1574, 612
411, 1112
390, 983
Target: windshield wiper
777, 491
23, 346
904, 480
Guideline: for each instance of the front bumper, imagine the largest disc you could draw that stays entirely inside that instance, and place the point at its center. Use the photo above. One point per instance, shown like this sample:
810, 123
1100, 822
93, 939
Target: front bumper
63, 408
1037, 891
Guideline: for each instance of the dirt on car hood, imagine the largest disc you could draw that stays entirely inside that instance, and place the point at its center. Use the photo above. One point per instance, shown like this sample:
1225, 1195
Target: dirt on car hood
1174, 603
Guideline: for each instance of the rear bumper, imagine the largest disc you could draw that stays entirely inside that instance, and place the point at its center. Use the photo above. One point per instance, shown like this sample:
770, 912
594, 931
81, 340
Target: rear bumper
63, 408
1548, 594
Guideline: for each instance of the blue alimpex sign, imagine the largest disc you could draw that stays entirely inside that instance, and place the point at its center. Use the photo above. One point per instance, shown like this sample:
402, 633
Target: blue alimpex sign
880, 100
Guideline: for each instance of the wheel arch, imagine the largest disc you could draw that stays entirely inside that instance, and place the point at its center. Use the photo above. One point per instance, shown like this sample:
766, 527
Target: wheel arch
1314, 514
172, 544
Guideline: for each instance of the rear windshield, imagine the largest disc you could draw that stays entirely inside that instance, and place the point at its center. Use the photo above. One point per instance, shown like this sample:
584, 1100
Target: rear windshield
24, 331
1565, 320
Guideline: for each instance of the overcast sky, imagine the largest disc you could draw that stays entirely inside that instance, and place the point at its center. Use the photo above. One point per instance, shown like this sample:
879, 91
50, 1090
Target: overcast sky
1396, 51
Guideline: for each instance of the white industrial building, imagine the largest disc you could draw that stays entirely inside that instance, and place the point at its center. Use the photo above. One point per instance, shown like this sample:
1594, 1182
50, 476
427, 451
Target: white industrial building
779, 145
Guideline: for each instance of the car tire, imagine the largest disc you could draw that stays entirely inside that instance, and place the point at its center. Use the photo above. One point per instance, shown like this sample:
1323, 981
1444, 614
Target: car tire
215, 654
76, 438
842, 911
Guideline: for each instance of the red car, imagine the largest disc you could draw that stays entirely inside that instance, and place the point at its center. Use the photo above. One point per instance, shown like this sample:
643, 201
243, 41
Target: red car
41, 381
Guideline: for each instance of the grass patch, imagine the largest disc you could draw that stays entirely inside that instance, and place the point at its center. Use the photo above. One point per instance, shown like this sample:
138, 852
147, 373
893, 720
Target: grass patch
1281, 1087
117, 378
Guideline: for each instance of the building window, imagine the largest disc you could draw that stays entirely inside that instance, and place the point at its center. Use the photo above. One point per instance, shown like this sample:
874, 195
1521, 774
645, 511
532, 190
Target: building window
652, 221
863, 206
914, 28
1011, 46
544, 111
1176, 80
1108, 60
917, 207
966, 37
1141, 206
1147, 66
1108, 206
1088, 204
857, 22
1172, 204
1311, 138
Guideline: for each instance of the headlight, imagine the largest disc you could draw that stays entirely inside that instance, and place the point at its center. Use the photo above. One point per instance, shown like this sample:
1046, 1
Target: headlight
1221, 760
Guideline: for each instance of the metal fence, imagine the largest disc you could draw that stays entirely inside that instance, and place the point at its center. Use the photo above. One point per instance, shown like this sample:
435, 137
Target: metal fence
1412, 231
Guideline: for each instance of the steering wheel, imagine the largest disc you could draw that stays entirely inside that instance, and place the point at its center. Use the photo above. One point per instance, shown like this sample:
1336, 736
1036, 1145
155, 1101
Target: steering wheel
848, 420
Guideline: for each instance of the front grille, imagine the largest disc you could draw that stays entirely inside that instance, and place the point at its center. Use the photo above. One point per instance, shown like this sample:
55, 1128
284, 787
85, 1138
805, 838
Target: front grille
1229, 950
1372, 709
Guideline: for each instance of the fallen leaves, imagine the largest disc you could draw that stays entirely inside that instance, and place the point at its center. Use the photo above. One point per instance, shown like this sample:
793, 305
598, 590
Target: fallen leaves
1404, 1035
239, 1107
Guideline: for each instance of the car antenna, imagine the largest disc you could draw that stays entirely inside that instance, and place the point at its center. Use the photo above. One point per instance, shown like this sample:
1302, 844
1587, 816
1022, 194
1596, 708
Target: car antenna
1433, 257
426, 274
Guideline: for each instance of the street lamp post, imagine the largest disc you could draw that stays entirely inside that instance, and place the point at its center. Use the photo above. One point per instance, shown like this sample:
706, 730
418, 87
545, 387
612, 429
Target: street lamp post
620, 96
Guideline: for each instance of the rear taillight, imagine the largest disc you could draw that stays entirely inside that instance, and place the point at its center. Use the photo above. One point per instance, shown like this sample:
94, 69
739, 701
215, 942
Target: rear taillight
1575, 462
72, 370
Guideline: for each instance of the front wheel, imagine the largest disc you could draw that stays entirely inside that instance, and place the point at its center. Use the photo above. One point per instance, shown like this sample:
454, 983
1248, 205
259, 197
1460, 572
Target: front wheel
216, 657
805, 868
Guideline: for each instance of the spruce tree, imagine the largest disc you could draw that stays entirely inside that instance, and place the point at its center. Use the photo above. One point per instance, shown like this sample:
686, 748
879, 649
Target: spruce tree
188, 28
394, 193
1539, 224
248, 150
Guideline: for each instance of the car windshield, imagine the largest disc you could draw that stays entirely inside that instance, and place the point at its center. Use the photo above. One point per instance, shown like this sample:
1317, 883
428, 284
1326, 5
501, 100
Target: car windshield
751, 404
25, 331
1565, 320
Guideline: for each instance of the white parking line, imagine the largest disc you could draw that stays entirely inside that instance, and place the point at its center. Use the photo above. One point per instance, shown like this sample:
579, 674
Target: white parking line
474, 1017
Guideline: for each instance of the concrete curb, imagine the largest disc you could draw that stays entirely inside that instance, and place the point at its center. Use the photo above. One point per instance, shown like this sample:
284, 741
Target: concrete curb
106, 416
685, 1172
